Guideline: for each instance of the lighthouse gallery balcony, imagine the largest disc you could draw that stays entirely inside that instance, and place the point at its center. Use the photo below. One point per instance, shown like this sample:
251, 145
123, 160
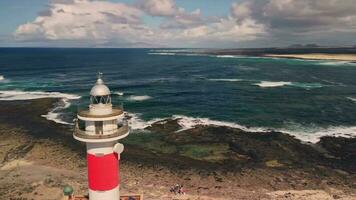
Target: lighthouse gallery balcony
86, 134
116, 111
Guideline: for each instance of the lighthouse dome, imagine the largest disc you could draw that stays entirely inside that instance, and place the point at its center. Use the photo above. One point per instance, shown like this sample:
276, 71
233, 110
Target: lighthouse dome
99, 89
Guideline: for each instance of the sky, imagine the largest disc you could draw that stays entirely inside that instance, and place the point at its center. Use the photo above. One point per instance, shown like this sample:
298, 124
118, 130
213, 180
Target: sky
176, 23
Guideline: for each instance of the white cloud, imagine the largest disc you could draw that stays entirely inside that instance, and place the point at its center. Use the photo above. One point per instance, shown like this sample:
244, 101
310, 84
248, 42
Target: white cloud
103, 23
159, 7
306, 15
175, 17
226, 29
184, 20
83, 19
242, 10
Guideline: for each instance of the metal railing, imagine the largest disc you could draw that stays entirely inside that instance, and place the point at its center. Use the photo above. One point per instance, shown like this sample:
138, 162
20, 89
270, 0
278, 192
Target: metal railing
85, 112
121, 130
81, 107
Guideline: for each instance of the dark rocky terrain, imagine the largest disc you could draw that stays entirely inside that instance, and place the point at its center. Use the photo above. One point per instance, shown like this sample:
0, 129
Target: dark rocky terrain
38, 157
235, 148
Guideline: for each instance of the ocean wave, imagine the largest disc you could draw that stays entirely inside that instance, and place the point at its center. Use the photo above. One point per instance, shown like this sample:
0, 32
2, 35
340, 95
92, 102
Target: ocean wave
55, 114
11, 95
3, 79
176, 54
313, 133
307, 86
247, 68
229, 56
136, 123
185, 53
225, 79
265, 84
139, 98
163, 54
190, 122
185, 122
119, 93
304, 133
352, 99
173, 50
337, 63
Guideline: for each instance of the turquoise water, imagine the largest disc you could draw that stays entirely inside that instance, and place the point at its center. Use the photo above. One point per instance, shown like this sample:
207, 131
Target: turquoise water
297, 96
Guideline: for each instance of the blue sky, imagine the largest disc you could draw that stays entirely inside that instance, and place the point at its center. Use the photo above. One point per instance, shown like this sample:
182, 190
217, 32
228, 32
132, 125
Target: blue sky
14, 13
176, 23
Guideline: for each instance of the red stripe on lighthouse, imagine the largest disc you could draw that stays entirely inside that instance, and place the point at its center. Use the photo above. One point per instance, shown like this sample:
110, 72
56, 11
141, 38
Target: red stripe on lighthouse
103, 171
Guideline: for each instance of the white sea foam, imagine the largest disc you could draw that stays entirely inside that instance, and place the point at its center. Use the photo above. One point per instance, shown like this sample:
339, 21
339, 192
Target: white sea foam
307, 86
225, 56
136, 123
337, 63
352, 99
313, 135
185, 53
190, 122
176, 54
301, 132
225, 79
163, 54
54, 114
247, 68
184, 121
171, 50
265, 84
3, 79
11, 95
229, 56
119, 93
139, 98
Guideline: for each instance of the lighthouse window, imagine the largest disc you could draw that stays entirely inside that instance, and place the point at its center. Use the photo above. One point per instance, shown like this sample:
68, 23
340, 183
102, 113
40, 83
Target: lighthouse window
81, 125
100, 99
98, 127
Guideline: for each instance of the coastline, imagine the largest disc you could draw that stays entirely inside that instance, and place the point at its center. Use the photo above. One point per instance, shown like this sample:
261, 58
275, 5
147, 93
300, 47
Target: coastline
316, 56
39, 157
336, 54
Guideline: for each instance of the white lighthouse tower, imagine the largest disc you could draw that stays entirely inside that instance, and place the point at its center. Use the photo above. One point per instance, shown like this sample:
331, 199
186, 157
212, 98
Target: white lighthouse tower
100, 126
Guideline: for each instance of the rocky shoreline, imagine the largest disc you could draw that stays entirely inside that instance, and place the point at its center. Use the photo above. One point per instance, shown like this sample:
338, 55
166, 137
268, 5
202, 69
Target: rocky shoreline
316, 56
235, 147
38, 157
331, 54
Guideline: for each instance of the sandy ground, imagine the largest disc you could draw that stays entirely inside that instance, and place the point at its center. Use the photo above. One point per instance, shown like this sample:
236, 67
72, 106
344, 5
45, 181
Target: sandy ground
34, 166
317, 56
27, 180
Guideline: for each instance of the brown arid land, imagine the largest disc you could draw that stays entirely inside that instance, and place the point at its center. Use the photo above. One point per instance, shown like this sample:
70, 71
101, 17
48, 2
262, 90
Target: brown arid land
39, 157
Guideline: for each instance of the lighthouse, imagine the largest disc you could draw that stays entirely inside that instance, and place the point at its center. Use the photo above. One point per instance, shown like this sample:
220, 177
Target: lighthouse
100, 126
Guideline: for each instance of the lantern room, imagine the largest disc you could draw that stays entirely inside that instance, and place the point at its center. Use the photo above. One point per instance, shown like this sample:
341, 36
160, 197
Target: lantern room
100, 120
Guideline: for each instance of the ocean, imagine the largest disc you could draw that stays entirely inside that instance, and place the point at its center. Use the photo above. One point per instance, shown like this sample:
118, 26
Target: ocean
304, 98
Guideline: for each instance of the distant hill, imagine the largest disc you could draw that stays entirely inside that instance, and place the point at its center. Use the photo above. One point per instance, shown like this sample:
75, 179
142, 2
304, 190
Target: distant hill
304, 46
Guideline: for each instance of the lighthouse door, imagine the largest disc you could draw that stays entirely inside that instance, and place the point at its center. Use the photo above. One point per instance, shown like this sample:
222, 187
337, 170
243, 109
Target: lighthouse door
99, 128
